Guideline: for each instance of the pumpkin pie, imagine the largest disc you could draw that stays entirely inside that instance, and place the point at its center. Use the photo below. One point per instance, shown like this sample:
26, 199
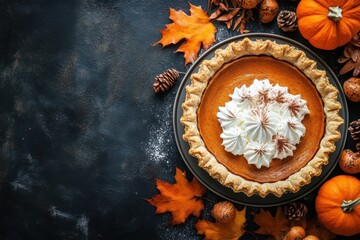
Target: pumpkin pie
261, 118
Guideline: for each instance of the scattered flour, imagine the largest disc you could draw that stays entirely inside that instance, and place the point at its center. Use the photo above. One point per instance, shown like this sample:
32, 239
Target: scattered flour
59, 214
81, 223
160, 143
156, 148
222, 34
29, 176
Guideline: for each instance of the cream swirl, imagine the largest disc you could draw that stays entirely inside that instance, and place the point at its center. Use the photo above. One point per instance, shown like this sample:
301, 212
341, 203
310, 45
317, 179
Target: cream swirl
262, 122
283, 147
259, 154
297, 107
292, 129
233, 140
242, 94
229, 115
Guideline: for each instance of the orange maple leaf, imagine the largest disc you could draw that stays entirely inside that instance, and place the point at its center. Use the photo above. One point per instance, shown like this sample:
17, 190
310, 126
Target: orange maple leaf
223, 231
270, 225
195, 28
180, 199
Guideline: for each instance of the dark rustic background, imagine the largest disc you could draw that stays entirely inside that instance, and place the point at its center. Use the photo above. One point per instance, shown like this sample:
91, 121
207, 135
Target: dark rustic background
82, 135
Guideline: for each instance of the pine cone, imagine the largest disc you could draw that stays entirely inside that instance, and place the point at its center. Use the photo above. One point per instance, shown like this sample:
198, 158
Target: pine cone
354, 129
356, 40
287, 21
165, 80
295, 211
351, 56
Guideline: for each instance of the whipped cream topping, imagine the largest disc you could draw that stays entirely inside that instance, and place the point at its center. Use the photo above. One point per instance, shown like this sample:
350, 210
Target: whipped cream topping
262, 122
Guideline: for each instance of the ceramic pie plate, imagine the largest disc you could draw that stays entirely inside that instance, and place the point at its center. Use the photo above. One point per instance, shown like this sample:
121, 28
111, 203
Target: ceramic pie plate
225, 192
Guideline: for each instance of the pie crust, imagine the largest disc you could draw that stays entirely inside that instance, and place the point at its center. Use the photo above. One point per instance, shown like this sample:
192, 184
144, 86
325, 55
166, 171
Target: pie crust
297, 58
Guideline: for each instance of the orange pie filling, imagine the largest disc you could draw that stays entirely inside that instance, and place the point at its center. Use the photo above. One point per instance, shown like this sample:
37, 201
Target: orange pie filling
244, 71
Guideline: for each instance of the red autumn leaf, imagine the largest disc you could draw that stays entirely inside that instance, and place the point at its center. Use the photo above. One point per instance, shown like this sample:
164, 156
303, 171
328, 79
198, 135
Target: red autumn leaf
195, 28
223, 231
181, 199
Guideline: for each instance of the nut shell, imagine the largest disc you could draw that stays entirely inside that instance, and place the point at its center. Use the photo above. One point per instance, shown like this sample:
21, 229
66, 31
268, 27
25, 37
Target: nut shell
352, 89
223, 212
269, 9
249, 4
295, 233
311, 237
349, 161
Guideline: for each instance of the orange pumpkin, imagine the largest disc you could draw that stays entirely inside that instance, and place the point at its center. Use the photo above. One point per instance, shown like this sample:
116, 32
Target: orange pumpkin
328, 24
338, 205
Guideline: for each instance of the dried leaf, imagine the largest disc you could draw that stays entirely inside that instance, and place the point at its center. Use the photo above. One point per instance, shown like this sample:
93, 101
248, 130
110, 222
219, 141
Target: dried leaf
196, 29
314, 227
181, 199
223, 231
216, 14
235, 3
346, 51
343, 59
249, 14
237, 22
270, 225
241, 22
229, 23
355, 55
242, 27
356, 71
223, 7
228, 16
350, 65
351, 56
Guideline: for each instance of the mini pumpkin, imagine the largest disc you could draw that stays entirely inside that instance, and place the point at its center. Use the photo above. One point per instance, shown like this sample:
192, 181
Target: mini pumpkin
328, 24
338, 205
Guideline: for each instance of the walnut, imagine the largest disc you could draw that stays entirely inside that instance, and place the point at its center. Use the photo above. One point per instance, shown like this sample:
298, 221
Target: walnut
223, 212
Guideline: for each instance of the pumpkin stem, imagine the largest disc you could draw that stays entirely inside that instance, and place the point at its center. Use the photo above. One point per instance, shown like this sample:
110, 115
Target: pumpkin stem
335, 13
348, 205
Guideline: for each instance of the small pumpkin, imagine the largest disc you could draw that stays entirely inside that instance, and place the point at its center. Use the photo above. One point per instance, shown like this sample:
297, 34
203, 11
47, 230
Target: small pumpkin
328, 24
338, 205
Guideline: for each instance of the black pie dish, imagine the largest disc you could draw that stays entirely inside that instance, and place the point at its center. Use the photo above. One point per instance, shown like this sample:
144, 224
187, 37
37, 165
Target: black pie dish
225, 192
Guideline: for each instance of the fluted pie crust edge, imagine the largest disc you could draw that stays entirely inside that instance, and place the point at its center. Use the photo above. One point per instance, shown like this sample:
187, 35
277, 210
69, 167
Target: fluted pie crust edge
207, 160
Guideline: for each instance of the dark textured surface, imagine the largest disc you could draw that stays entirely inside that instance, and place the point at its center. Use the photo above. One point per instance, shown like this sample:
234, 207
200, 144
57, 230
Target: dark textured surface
82, 136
